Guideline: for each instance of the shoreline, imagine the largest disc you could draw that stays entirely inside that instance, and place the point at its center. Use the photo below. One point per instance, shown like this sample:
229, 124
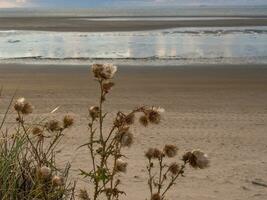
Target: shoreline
65, 24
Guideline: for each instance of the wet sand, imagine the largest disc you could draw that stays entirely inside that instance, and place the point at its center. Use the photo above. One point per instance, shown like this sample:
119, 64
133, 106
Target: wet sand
78, 24
221, 109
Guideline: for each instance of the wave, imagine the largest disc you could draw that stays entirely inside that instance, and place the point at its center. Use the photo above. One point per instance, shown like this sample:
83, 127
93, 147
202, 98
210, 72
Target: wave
155, 58
216, 32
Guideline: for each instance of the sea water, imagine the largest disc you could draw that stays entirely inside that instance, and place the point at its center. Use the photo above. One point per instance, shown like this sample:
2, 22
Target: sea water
178, 45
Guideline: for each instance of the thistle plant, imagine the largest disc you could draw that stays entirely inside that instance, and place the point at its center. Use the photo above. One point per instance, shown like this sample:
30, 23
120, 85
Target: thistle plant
28, 160
163, 175
106, 147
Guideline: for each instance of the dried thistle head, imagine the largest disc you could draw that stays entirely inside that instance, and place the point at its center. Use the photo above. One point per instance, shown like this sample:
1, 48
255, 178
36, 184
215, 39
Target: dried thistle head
23, 106
37, 131
53, 125
157, 153
154, 115
144, 120
156, 196
125, 137
149, 153
44, 172
121, 166
57, 181
94, 112
154, 153
129, 119
97, 70
170, 150
201, 159
196, 159
19, 104
107, 86
174, 168
104, 71
83, 195
68, 121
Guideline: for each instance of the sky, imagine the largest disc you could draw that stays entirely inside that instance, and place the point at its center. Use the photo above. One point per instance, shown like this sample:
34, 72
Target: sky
105, 3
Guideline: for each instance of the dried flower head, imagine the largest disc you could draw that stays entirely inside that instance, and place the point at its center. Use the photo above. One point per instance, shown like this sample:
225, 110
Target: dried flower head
104, 71
196, 159
107, 85
154, 115
19, 104
68, 121
94, 112
170, 150
125, 137
187, 156
37, 131
156, 196
83, 195
44, 172
129, 119
57, 181
201, 159
23, 106
53, 125
154, 153
121, 166
174, 168
149, 153
157, 153
144, 120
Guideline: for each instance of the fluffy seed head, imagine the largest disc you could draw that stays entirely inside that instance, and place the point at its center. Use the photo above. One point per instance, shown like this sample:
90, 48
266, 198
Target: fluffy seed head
154, 115
23, 106
94, 111
107, 85
154, 153
129, 119
144, 120
68, 121
125, 138
170, 150
57, 181
149, 153
196, 159
121, 166
27, 109
201, 159
187, 156
156, 196
157, 153
104, 71
19, 104
37, 131
174, 168
44, 172
53, 125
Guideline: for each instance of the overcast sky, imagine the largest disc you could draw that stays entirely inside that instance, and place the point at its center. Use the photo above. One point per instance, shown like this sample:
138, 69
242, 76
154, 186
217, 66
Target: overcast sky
98, 3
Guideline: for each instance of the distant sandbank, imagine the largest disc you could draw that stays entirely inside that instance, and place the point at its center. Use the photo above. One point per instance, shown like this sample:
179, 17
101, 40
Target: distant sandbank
81, 25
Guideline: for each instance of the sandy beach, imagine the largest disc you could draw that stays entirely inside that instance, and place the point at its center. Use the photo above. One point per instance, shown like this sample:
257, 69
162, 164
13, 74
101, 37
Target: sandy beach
82, 25
221, 109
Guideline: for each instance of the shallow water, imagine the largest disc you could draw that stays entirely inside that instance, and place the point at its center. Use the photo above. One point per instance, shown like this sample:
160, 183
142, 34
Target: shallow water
244, 44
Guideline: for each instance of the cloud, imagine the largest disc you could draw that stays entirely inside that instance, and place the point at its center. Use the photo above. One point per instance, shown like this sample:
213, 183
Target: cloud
13, 3
118, 3
7, 4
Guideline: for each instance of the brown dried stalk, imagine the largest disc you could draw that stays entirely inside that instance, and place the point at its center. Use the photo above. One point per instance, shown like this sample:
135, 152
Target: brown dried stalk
106, 148
168, 174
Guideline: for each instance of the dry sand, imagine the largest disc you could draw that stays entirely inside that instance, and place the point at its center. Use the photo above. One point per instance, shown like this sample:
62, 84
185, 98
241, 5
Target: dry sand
219, 109
78, 24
